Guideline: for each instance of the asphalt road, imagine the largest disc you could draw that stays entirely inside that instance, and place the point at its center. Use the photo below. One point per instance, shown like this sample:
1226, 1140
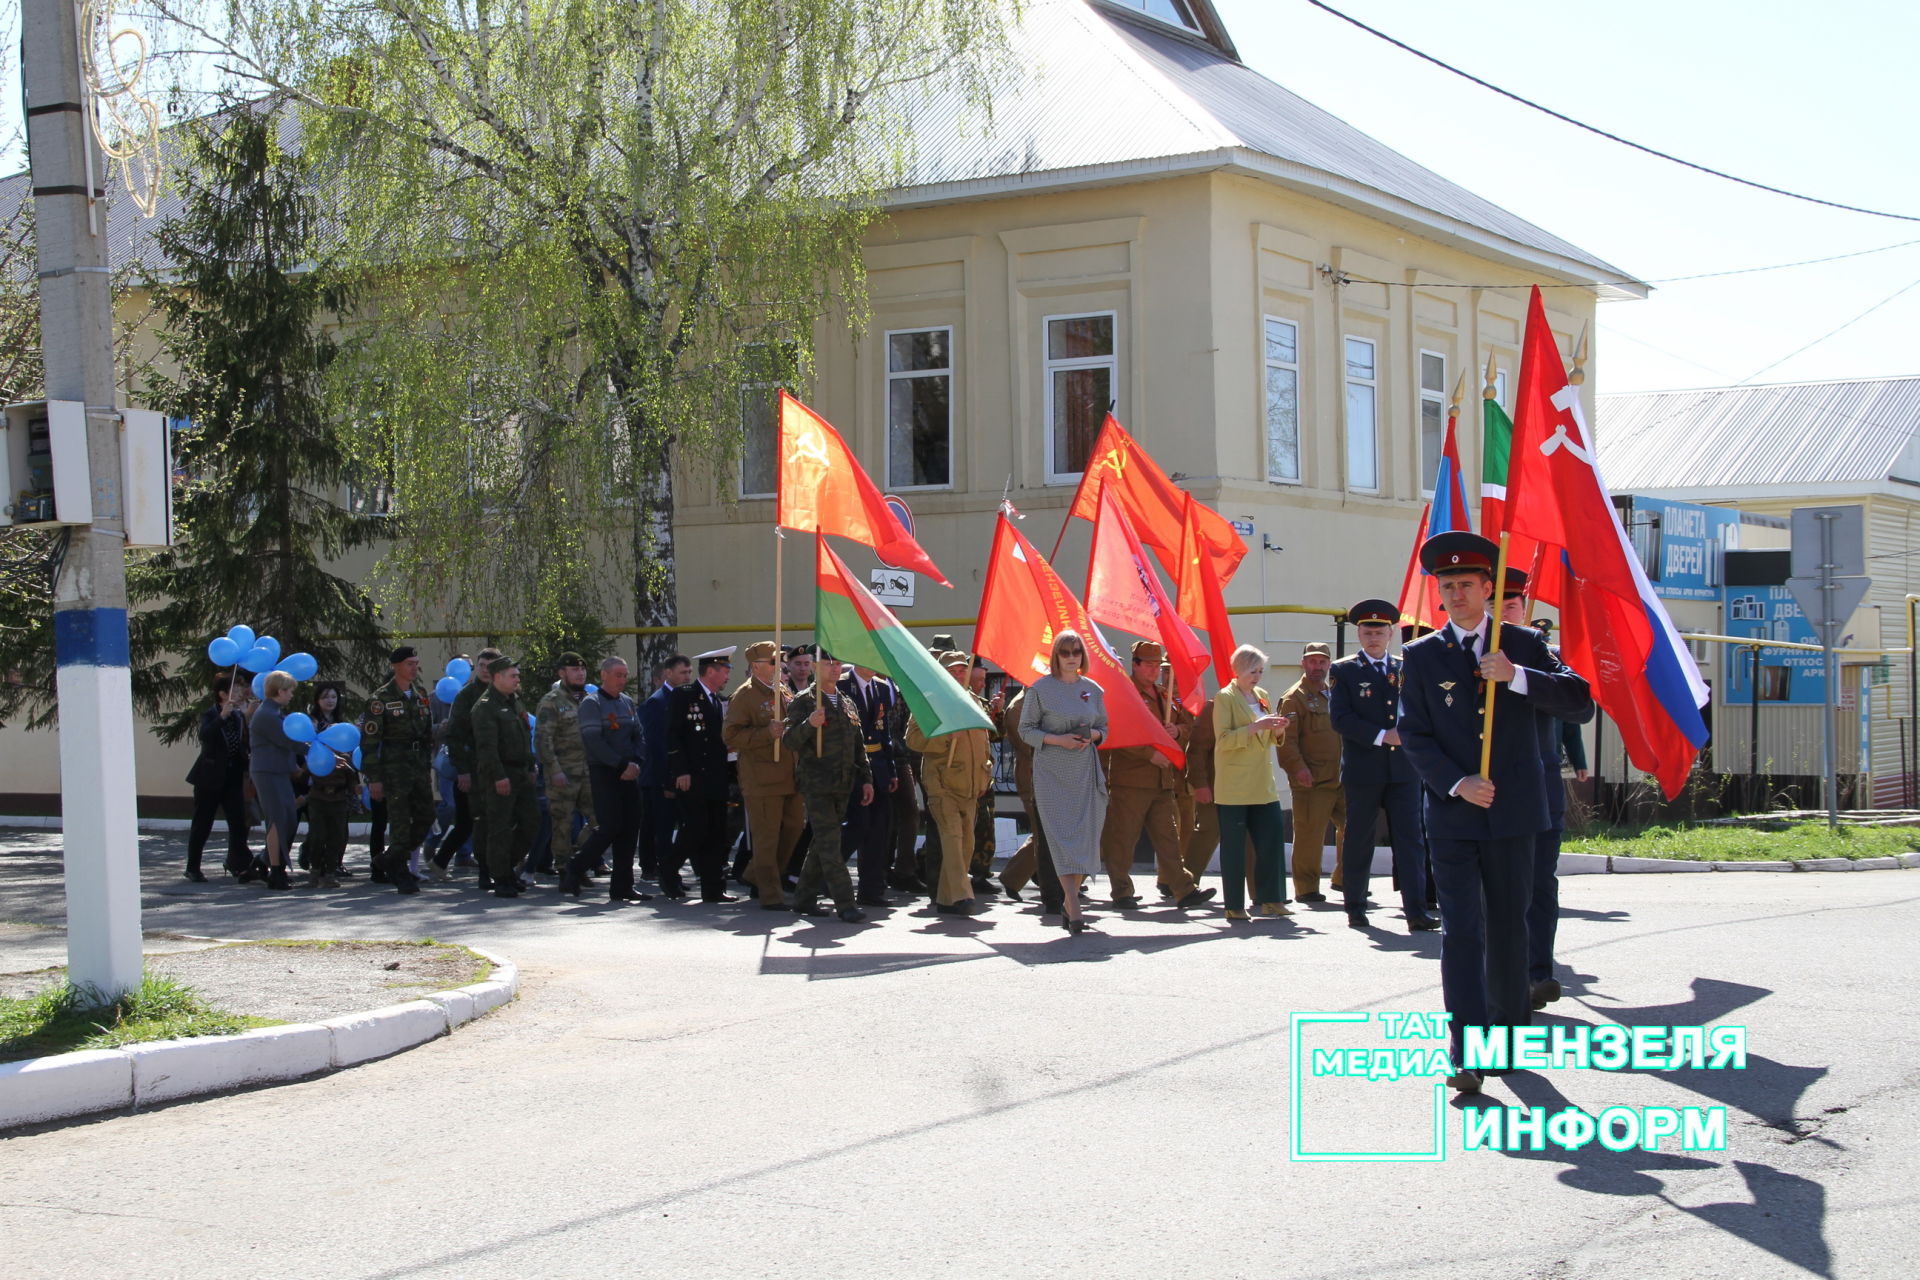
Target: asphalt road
685, 1090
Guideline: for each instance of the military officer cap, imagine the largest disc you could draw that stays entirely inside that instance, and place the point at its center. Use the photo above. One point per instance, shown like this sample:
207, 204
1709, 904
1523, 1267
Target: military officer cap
499, 664
955, 658
1516, 583
1458, 551
762, 651
1320, 647
1147, 651
717, 655
402, 653
1374, 612
806, 651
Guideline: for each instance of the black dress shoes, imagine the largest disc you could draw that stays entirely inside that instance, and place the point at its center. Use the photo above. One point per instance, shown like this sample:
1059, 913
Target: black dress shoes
1198, 898
1356, 922
718, 897
1423, 924
505, 889
852, 915
873, 900
570, 884
194, 874
1545, 992
1127, 904
630, 895
964, 907
1313, 897
983, 884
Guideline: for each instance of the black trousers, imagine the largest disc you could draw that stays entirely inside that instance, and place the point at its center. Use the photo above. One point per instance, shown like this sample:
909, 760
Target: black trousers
1053, 894
460, 832
869, 835
1406, 833
232, 802
701, 842
660, 821
618, 813
377, 832
1485, 889
1543, 912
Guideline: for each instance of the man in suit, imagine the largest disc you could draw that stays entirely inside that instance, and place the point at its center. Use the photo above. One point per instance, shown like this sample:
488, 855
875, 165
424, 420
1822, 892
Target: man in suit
1481, 827
1543, 913
1364, 702
697, 763
870, 826
662, 813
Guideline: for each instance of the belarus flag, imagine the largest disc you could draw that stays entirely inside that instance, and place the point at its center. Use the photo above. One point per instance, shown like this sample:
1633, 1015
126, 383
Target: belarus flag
1613, 629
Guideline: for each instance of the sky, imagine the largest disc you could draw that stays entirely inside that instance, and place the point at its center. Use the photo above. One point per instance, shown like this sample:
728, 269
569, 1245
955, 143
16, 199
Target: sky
1814, 99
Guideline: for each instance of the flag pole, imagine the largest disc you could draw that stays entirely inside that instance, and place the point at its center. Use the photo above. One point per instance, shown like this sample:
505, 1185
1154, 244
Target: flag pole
819, 696
1493, 647
779, 560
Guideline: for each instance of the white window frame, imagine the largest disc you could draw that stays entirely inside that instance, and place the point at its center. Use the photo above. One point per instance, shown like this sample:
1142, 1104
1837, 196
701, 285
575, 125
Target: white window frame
1267, 363
1347, 382
744, 390
886, 404
1421, 397
1048, 367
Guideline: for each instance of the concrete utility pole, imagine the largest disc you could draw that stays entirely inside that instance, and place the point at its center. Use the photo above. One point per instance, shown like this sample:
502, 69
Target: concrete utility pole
99, 843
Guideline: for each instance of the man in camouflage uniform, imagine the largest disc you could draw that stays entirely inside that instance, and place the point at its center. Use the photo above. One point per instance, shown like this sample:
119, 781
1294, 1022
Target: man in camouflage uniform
503, 775
396, 739
830, 767
457, 736
563, 757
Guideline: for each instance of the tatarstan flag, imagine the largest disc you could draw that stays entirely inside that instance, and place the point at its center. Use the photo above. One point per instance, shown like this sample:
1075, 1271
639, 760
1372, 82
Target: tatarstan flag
854, 627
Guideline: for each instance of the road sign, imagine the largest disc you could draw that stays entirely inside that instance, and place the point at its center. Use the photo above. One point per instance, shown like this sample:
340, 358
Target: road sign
894, 587
903, 514
1847, 550
1830, 606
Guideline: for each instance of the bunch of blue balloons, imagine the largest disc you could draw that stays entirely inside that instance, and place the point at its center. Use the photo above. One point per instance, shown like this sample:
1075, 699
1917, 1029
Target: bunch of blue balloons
323, 744
458, 672
241, 648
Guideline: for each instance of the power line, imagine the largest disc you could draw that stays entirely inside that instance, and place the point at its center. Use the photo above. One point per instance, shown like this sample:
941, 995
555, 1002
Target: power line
1829, 333
1611, 137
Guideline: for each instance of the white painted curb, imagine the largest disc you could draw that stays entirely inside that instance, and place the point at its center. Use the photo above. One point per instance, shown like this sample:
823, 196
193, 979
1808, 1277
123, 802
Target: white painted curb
1631, 865
1582, 864
1753, 866
73, 1084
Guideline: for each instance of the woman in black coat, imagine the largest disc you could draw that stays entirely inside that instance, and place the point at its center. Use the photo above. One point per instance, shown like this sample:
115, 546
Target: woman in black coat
219, 779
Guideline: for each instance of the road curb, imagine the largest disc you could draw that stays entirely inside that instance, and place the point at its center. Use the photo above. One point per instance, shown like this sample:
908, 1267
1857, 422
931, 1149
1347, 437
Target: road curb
93, 1080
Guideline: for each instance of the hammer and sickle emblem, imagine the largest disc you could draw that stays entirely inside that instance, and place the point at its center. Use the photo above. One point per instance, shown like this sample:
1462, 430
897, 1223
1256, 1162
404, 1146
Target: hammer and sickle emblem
1116, 462
1565, 399
808, 443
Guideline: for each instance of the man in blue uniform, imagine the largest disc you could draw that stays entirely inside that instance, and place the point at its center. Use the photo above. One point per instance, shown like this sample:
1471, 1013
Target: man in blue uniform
1374, 772
870, 826
1543, 914
1481, 827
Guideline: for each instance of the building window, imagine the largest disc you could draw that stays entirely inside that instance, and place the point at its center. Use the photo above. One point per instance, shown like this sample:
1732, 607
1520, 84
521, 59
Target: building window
1433, 416
1363, 416
1174, 12
1081, 370
920, 408
1283, 401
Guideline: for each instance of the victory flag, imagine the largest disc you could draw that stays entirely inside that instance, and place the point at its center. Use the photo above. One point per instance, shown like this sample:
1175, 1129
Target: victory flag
1613, 629
1544, 579
1024, 606
1156, 504
1124, 591
823, 489
856, 628
1201, 599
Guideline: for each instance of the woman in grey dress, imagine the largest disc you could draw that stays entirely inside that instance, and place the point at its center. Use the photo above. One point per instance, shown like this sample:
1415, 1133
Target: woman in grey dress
1064, 720
274, 759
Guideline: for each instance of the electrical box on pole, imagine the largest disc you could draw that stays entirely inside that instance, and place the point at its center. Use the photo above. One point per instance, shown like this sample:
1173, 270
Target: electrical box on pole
46, 478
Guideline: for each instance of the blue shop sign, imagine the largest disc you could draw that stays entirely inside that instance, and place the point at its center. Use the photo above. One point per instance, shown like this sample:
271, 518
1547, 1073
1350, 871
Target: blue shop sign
1680, 545
1789, 677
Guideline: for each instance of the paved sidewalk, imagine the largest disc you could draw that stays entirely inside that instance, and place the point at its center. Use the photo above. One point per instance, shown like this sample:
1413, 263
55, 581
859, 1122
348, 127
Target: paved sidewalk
699, 1091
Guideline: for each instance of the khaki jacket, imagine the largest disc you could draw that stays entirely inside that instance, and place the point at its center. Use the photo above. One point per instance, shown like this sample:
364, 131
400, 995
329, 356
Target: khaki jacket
1312, 741
1200, 749
748, 733
1022, 753
1143, 766
955, 764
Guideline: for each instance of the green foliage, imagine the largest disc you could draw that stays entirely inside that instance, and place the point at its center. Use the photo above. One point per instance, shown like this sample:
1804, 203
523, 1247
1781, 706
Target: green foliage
63, 1019
245, 309
581, 222
1757, 841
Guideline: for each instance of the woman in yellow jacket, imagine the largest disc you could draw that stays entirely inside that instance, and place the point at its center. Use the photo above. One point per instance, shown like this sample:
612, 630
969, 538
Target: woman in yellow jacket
1246, 729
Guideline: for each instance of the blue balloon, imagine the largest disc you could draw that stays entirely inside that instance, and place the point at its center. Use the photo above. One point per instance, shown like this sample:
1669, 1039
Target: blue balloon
258, 660
341, 737
299, 726
223, 652
272, 648
459, 669
593, 688
320, 759
242, 636
260, 685
447, 690
356, 757
301, 666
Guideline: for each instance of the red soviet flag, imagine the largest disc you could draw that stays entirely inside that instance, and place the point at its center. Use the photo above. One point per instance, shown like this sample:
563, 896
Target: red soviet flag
1024, 606
1156, 504
823, 489
1124, 591
1202, 602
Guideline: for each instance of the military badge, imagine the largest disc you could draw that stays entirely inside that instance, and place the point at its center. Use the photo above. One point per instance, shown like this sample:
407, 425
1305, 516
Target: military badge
1448, 686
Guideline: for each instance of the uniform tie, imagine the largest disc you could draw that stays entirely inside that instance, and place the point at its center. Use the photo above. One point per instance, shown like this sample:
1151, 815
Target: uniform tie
1468, 643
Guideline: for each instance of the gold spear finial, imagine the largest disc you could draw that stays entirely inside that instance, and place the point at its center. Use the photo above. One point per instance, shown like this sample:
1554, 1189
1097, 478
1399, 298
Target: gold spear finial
1488, 392
1579, 374
1459, 391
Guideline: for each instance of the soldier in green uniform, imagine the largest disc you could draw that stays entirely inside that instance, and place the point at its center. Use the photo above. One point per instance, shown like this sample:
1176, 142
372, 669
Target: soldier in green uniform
458, 737
503, 775
830, 766
563, 756
396, 740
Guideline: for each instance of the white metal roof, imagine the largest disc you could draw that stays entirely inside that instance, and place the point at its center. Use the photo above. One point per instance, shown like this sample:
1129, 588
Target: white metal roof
1783, 436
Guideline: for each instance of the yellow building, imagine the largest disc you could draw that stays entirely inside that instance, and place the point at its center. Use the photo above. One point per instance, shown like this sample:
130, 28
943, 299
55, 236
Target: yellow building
1276, 305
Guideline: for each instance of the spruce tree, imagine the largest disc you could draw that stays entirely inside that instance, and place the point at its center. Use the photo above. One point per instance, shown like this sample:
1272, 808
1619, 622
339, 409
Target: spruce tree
260, 520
